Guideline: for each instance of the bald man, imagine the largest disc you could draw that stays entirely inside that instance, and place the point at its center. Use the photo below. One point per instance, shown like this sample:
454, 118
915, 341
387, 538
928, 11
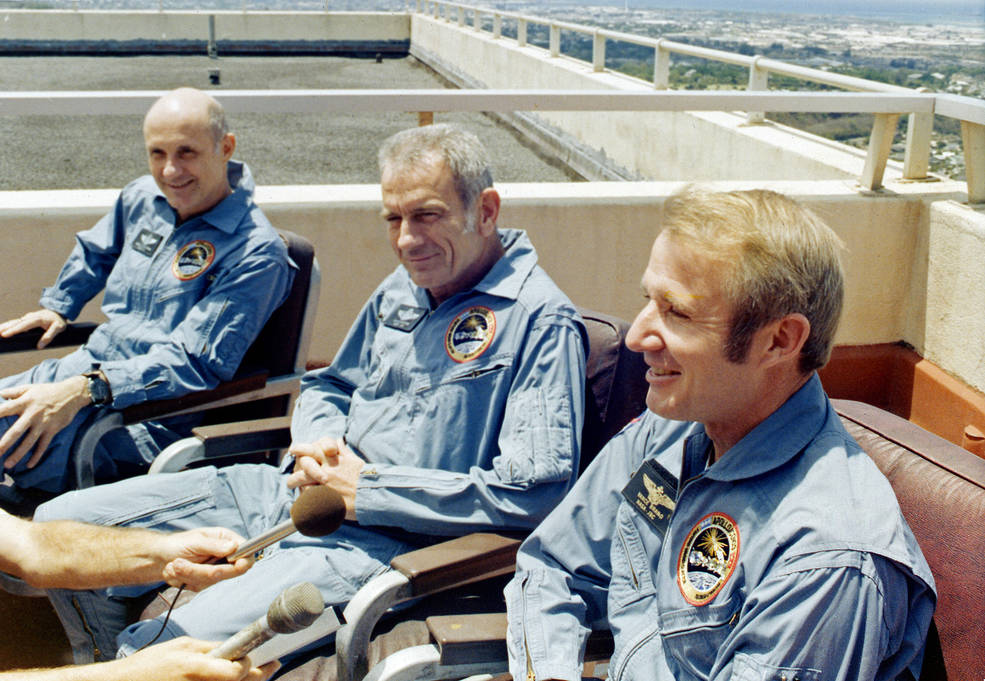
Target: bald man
190, 269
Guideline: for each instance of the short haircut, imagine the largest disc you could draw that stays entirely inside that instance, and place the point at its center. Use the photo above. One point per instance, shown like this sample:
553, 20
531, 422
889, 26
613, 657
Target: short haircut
777, 257
461, 151
218, 125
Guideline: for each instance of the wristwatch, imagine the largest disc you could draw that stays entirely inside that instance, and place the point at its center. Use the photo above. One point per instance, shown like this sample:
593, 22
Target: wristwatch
99, 391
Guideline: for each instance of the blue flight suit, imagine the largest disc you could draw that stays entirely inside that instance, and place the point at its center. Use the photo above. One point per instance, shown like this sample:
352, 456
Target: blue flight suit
787, 558
468, 415
182, 302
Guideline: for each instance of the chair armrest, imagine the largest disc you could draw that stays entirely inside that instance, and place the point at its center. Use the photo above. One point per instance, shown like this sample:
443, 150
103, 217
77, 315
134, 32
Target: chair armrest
457, 562
74, 334
155, 409
472, 638
469, 638
452, 563
243, 437
224, 439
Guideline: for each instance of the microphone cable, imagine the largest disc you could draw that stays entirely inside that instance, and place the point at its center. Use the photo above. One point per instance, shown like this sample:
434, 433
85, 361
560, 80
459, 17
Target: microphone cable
167, 617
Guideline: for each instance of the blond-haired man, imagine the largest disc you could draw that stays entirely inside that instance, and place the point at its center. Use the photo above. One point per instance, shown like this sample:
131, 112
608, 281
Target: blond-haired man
735, 531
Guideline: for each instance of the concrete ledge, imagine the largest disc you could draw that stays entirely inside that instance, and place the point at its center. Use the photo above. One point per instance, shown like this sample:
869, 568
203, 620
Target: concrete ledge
225, 48
125, 32
910, 261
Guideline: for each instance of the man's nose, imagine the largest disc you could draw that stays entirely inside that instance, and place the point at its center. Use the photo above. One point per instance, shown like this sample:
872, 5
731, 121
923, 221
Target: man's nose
409, 236
644, 334
170, 167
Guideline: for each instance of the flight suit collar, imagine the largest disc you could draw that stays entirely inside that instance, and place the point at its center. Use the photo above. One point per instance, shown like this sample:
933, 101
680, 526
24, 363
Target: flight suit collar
774, 442
227, 215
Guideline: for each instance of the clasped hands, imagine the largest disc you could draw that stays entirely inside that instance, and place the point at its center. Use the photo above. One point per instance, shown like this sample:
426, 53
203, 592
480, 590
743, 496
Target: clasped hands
327, 461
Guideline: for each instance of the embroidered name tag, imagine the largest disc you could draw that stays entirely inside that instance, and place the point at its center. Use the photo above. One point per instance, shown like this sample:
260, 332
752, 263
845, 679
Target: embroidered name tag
405, 317
146, 242
652, 491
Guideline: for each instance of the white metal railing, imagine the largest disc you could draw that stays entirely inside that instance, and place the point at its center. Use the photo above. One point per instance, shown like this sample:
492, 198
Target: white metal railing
916, 163
886, 106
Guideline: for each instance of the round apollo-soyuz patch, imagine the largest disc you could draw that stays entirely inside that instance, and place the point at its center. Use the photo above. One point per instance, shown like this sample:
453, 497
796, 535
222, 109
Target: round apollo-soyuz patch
470, 333
192, 259
708, 558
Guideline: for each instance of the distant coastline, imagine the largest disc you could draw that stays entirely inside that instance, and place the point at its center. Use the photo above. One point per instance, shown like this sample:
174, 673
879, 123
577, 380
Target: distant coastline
961, 12
943, 13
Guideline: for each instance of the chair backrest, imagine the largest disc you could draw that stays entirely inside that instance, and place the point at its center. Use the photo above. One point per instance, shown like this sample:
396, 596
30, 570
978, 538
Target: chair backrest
615, 383
941, 490
281, 346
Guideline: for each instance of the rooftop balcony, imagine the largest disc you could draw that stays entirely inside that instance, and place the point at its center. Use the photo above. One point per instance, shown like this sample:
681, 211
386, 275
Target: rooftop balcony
915, 243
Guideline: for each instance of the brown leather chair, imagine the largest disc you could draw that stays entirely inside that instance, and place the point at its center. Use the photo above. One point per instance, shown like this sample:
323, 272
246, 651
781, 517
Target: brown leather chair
941, 490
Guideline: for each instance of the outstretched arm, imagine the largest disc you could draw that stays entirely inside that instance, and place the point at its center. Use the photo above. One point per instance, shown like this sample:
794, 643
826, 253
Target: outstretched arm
181, 659
67, 554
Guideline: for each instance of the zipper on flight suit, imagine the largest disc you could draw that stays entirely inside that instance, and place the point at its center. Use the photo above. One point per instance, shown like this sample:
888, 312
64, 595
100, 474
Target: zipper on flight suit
88, 630
629, 561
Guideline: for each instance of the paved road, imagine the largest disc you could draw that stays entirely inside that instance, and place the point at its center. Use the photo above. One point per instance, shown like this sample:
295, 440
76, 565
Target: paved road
61, 152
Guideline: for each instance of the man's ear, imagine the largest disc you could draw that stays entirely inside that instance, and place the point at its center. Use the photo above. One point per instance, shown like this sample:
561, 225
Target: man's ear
488, 207
785, 338
227, 145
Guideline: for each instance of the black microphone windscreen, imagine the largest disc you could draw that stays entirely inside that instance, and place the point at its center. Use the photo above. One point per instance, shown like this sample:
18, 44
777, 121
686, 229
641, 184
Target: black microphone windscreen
318, 510
295, 608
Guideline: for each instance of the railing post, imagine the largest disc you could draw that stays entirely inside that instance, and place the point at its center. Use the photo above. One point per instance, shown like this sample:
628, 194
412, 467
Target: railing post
661, 66
521, 32
477, 19
497, 26
880, 144
758, 80
916, 161
555, 40
435, 10
973, 144
598, 52
461, 15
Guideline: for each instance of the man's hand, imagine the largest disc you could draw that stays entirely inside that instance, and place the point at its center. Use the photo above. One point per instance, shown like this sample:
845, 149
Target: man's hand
186, 659
194, 549
43, 410
52, 323
327, 461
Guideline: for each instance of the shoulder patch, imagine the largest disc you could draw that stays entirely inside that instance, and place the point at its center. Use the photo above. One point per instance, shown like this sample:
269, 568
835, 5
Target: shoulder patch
708, 558
470, 333
146, 242
192, 259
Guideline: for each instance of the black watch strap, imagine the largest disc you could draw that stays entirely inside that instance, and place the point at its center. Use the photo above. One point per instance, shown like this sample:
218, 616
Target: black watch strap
99, 391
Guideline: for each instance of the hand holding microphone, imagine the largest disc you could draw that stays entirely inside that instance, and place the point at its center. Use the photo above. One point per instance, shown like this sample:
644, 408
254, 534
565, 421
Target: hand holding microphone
318, 510
294, 609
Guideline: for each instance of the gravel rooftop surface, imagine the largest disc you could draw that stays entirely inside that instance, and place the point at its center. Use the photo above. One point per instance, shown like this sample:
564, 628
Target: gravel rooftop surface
79, 151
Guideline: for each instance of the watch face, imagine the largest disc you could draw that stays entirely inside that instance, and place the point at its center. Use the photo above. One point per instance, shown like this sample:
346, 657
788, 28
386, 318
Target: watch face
98, 390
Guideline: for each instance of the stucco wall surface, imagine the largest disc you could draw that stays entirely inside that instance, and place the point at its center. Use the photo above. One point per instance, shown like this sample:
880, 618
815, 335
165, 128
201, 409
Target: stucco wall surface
594, 240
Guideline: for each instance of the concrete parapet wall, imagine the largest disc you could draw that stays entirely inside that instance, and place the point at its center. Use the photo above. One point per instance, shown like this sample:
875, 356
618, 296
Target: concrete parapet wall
913, 261
663, 146
64, 31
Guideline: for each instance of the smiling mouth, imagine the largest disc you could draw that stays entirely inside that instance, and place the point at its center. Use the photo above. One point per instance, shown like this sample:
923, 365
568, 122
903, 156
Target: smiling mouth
663, 372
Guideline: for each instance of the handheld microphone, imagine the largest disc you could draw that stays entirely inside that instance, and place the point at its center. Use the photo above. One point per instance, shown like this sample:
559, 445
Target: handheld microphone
294, 609
318, 510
